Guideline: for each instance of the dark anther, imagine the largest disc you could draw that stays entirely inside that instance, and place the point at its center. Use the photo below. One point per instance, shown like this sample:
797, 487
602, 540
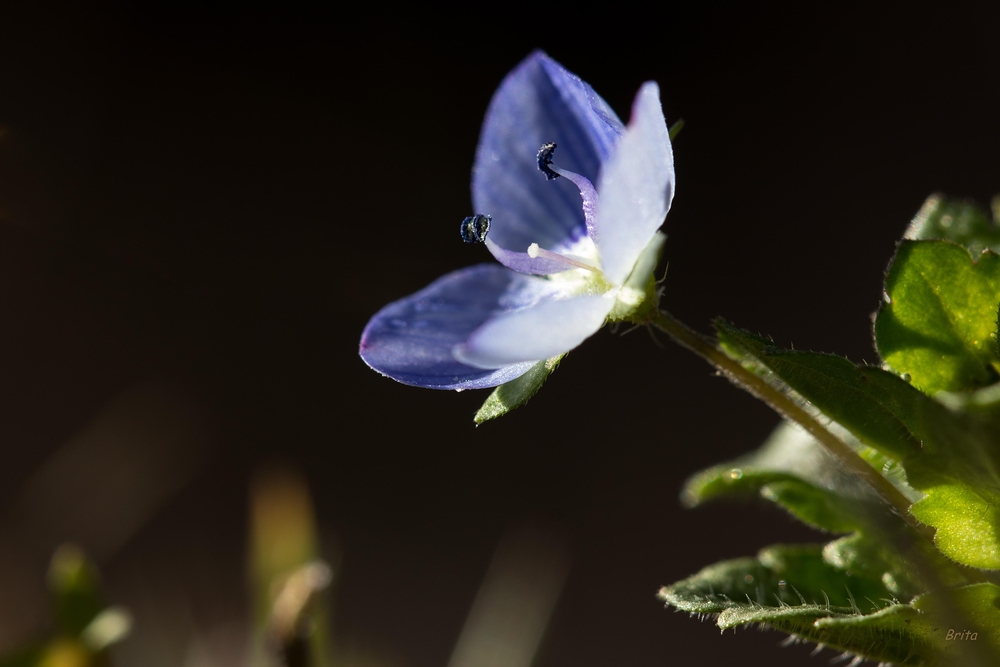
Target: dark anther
545, 159
475, 228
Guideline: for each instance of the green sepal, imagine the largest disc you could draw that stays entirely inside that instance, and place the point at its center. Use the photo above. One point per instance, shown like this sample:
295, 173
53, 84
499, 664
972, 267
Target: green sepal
961, 222
514, 394
938, 323
878, 407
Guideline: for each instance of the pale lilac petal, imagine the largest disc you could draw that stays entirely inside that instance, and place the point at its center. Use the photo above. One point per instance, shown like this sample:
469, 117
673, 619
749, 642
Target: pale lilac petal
411, 340
541, 331
537, 103
636, 186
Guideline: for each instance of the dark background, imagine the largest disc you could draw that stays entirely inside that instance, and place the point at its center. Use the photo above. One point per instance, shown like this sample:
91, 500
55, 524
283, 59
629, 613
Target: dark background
199, 211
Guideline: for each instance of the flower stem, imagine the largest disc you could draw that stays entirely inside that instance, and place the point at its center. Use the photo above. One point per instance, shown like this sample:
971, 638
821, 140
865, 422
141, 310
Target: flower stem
788, 408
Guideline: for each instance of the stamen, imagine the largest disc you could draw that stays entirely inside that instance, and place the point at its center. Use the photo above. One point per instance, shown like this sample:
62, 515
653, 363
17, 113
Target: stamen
475, 228
534, 251
587, 191
545, 159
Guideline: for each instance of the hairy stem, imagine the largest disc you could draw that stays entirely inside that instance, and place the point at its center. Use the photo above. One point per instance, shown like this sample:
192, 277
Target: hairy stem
706, 348
791, 410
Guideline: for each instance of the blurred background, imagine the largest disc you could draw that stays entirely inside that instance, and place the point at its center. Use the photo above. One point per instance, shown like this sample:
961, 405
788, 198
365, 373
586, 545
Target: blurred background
200, 209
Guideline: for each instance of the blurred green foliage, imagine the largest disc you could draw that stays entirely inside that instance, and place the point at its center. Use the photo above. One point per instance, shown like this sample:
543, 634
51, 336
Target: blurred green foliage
84, 627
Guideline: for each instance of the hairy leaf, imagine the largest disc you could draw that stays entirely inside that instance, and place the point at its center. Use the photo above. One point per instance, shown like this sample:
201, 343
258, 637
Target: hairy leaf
795, 589
791, 588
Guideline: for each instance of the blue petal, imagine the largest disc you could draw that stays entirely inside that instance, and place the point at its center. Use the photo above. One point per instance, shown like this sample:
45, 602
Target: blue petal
540, 102
412, 340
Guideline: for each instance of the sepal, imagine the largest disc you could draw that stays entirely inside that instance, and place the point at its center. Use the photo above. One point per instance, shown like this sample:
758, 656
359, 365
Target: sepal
514, 394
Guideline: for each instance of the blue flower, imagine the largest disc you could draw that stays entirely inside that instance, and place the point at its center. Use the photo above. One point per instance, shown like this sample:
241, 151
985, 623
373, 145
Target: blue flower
574, 252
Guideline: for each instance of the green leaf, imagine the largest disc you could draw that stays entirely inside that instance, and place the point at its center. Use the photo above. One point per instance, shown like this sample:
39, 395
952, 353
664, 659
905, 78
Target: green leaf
791, 588
974, 608
794, 471
959, 471
899, 634
780, 576
813, 506
961, 222
876, 406
516, 393
967, 522
794, 589
939, 325
875, 559
789, 453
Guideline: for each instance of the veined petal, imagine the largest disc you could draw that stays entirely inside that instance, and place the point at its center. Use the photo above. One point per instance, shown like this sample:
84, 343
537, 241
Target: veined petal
636, 187
411, 340
540, 102
543, 330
